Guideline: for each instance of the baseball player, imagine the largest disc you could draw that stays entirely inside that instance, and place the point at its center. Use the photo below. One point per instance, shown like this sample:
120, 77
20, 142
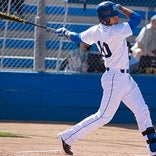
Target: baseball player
110, 38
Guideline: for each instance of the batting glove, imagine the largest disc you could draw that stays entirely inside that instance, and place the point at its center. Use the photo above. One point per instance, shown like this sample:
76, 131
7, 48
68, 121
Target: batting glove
62, 32
116, 7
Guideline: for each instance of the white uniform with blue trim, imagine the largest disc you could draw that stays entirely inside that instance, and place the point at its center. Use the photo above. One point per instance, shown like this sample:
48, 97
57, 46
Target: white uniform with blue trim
117, 83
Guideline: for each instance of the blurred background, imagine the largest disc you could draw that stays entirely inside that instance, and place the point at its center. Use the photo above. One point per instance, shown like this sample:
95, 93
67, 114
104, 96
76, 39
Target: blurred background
25, 47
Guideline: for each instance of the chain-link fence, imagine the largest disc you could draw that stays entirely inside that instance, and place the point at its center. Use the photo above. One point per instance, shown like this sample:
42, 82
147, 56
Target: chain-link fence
27, 47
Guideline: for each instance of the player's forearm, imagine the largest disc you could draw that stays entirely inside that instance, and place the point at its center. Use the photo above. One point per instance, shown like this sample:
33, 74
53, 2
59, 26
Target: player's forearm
74, 37
134, 18
126, 11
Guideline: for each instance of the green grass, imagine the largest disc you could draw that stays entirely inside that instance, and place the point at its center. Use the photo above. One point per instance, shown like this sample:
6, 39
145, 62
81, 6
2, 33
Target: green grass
6, 134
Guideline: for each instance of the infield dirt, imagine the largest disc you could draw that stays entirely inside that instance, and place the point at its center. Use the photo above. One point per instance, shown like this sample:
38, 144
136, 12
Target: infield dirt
40, 139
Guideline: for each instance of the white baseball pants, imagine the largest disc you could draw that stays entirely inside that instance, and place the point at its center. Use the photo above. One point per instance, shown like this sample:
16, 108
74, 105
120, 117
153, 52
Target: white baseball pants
117, 87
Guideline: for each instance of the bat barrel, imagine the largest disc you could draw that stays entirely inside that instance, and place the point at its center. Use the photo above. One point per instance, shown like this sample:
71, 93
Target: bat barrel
10, 17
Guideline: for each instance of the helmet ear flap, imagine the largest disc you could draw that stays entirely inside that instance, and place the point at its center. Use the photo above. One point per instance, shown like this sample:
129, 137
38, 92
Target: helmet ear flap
105, 21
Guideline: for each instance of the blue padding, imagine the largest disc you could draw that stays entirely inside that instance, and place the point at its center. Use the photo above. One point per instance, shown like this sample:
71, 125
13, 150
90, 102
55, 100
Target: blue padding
72, 27
54, 25
31, 9
75, 11
149, 3
77, 27
27, 27
2, 25
57, 10
26, 62
20, 26
17, 62
55, 45
17, 43
51, 63
29, 44
44, 95
50, 44
16, 26
71, 11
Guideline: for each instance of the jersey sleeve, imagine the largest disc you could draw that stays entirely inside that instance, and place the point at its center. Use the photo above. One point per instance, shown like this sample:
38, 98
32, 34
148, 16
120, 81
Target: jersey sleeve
123, 30
88, 36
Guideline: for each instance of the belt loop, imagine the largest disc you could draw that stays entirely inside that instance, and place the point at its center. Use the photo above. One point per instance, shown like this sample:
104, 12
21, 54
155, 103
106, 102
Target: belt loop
124, 70
107, 68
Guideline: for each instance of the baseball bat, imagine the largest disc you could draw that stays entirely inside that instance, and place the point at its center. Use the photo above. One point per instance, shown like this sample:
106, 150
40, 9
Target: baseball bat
20, 20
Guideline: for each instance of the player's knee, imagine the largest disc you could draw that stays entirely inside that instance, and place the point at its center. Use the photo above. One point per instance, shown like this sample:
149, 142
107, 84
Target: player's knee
104, 118
150, 136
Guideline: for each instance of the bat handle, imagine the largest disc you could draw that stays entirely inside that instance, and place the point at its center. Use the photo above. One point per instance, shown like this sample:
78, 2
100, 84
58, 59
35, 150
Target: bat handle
51, 29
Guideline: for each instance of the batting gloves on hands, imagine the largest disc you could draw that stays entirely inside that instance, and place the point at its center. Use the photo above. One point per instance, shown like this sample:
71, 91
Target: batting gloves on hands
116, 7
62, 32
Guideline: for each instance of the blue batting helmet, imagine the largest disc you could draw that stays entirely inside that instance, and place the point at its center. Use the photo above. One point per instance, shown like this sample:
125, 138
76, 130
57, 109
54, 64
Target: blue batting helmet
105, 10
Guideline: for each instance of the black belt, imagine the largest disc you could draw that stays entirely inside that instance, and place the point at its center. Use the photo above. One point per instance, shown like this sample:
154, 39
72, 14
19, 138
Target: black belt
121, 70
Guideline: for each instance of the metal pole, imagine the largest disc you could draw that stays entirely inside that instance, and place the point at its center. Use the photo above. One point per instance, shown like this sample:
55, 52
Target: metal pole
146, 22
61, 40
40, 39
5, 35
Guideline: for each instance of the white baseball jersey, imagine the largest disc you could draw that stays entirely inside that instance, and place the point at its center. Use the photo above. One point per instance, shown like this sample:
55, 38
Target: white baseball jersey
111, 42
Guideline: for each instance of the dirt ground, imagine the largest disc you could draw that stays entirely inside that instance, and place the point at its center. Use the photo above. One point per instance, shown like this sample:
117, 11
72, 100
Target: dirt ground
40, 140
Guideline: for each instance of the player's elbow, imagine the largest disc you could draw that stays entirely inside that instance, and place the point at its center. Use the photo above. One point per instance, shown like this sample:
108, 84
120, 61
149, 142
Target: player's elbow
138, 19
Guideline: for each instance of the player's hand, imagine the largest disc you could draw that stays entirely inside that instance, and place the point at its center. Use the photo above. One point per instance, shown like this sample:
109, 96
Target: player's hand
117, 7
62, 32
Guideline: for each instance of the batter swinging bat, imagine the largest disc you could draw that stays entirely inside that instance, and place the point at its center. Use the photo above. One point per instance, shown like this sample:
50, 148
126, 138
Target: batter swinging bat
20, 20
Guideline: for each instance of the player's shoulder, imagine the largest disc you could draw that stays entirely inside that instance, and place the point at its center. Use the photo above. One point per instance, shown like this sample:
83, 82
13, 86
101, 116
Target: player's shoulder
94, 27
121, 26
91, 30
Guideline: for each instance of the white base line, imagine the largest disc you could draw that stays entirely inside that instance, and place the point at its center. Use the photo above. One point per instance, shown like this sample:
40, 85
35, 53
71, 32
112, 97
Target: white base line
39, 151
55, 151
140, 155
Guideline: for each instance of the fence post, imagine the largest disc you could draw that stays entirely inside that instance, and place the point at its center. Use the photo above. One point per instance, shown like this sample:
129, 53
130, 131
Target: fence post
146, 22
40, 38
5, 36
